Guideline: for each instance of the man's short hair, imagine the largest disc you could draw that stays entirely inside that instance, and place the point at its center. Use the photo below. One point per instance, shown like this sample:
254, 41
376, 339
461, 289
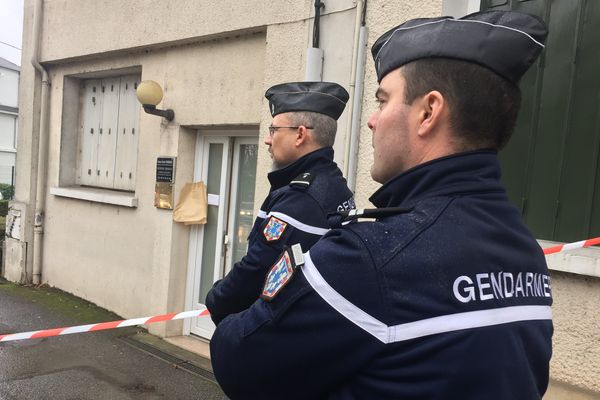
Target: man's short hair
324, 127
483, 106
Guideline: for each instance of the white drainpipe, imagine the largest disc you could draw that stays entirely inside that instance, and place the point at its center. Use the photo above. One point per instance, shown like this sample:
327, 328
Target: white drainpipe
357, 110
356, 89
314, 65
40, 193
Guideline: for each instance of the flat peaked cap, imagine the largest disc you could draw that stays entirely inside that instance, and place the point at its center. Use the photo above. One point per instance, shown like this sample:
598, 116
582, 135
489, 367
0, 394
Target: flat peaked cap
507, 42
321, 97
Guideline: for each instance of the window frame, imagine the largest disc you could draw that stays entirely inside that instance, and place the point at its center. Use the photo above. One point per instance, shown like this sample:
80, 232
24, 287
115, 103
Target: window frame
68, 184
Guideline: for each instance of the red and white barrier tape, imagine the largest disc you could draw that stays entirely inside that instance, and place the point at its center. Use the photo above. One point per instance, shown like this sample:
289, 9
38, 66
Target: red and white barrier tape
202, 312
103, 325
571, 246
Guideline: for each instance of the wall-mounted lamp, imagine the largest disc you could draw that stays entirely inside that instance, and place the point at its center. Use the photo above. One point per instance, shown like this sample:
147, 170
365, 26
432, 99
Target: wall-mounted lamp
149, 93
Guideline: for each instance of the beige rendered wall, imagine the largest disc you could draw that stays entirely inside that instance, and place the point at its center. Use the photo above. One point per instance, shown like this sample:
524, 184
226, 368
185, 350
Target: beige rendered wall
126, 259
382, 15
133, 24
575, 366
78, 28
283, 63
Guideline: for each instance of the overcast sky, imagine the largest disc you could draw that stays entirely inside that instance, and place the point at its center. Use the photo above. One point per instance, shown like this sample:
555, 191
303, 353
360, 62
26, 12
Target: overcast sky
11, 29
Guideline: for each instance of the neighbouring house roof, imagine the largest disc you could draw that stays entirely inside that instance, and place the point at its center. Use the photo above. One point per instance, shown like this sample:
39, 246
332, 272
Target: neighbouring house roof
9, 109
4, 63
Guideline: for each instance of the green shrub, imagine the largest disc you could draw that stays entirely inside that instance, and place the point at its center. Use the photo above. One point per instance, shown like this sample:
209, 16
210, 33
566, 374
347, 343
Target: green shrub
3, 207
7, 191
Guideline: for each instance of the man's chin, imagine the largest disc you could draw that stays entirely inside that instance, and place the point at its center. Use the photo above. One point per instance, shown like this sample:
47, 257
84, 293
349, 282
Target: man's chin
276, 165
375, 176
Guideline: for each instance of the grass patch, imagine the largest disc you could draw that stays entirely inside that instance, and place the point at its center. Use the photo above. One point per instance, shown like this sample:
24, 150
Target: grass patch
59, 302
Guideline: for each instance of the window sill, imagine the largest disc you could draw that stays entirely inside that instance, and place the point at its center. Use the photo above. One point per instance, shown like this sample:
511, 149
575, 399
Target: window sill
105, 196
584, 261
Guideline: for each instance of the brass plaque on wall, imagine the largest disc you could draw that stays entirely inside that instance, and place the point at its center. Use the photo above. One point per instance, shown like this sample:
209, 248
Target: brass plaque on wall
163, 195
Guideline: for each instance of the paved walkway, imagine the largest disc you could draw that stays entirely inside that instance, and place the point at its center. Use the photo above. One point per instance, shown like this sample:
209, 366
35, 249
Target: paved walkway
114, 364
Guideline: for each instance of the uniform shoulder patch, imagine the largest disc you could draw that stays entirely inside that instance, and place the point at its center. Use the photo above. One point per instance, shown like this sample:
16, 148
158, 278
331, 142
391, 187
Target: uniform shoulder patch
279, 275
303, 180
282, 272
274, 229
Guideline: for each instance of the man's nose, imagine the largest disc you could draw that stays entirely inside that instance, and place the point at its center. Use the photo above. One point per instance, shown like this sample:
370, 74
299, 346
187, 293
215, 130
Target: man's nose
372, 123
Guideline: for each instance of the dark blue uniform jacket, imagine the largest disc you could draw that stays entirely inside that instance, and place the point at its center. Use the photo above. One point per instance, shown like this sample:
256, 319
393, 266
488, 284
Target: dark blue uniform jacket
448, 301
296, 209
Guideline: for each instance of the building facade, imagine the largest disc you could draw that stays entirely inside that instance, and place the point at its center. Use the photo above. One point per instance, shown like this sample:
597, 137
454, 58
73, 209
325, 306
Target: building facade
9, 111
84, 217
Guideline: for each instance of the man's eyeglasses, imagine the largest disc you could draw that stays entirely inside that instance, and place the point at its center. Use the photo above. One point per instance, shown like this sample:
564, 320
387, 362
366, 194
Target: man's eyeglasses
273, 128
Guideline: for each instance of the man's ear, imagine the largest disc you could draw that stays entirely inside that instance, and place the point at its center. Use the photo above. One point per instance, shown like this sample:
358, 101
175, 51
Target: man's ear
302, 136
432, 109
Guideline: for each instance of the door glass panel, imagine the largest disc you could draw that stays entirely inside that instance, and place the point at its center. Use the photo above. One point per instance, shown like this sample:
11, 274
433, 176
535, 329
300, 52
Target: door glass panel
209, 243
209, 246
245, 200
215, 158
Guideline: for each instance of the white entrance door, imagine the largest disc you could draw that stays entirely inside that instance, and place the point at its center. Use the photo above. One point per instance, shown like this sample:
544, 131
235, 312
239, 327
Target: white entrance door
227, 165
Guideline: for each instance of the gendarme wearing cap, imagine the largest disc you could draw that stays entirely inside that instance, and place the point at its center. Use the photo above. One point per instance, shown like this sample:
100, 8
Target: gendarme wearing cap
306, 185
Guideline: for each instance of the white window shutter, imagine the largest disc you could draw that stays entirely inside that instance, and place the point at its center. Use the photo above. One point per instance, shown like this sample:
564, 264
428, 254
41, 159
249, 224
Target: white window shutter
90, 124
127, 141
107, 134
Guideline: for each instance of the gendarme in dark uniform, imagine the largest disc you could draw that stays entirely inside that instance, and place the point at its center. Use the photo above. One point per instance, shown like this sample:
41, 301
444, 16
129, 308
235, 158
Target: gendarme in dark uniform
446, 295
295, 211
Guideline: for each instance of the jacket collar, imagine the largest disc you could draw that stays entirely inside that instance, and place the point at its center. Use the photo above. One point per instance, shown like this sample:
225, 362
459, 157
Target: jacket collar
306, 163
468, 172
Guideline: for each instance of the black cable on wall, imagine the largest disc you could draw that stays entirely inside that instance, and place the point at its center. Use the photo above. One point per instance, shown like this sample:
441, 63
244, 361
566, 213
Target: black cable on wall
318, 5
